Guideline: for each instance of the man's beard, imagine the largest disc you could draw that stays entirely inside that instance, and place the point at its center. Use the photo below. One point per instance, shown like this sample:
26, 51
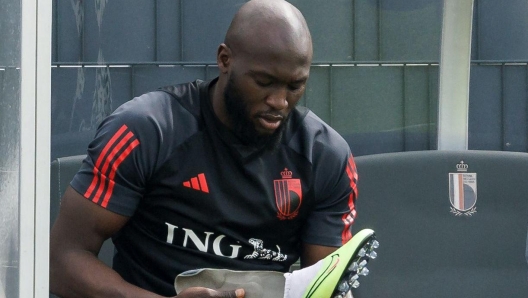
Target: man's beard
239, 115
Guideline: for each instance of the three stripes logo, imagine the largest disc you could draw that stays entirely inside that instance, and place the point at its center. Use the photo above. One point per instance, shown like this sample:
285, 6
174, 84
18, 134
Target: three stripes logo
197, 183
118, 148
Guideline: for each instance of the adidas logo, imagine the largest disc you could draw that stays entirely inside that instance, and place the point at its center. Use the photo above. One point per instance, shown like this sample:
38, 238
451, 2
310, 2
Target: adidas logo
198, 183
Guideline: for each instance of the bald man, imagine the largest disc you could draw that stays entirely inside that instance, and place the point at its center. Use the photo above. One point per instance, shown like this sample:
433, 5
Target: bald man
227, 174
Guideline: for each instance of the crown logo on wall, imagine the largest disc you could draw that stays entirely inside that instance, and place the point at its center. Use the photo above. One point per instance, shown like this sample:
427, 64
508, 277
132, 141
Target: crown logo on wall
462, 167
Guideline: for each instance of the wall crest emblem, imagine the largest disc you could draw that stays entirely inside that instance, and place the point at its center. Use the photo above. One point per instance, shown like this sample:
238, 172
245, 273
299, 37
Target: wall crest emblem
463, 191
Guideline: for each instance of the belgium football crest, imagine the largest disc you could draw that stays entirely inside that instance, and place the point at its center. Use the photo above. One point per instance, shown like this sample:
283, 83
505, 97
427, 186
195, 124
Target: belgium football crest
463, 191
288, 195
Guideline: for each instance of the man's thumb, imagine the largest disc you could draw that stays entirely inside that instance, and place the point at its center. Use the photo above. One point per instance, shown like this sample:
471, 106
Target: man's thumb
238, 293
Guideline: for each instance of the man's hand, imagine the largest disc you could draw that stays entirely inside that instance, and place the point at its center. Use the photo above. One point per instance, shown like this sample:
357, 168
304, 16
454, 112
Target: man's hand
198, 292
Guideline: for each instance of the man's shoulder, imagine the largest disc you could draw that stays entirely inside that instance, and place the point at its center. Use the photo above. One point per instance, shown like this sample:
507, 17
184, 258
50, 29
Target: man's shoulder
310, 136
172, 112
307, 123
177, 102
188, 95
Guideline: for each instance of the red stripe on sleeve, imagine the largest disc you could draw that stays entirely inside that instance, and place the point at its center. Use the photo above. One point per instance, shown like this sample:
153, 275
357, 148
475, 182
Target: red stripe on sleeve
115, 166
106, 166
107, 147
349, 217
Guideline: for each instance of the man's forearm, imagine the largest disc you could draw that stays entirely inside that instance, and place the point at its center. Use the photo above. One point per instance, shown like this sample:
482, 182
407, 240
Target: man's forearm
79, 273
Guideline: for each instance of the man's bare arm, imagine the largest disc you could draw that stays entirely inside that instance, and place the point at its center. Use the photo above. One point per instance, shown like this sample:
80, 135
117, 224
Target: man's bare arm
76, 238
312, 253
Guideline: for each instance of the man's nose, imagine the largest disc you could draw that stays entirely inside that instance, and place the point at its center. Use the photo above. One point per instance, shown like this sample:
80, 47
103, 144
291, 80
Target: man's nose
278, 99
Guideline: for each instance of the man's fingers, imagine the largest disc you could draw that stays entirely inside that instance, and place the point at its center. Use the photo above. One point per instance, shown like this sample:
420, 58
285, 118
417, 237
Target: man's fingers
238, 293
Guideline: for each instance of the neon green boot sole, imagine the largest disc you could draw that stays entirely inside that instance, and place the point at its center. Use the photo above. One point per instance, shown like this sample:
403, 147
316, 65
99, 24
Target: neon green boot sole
341, 270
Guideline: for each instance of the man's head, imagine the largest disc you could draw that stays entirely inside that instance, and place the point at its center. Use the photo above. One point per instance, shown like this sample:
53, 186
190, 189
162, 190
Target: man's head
264, 64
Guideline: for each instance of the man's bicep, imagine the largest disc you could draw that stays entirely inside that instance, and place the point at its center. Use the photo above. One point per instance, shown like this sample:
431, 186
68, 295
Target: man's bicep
81, 224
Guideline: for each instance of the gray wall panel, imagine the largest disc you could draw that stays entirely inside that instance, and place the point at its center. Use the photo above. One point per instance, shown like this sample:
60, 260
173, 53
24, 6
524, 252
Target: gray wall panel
72, 99
9, 119
69, 17
485, 108
169, 30
211, 72
417, 120
366, 30
330, 23
411, 31
205, 23
317, 95
515, 107
150, 78
10, 174
502, 30
67, 87
81, 97
10, 33
433, 74
118, 31
190, 30
362, 94
121, 86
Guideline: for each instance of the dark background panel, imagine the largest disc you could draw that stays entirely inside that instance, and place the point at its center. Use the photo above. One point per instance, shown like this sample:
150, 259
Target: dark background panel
502, 30
68, 33
433, 74
366, 31
485, 108
9, 116
151, 78
9, 25
70, 104
317, 96
164, 31
169, 30
80, 99
411, 30
515, 108
205, 23
417, 122
331, 25
362, 94
211, 72
120, 31
367, 107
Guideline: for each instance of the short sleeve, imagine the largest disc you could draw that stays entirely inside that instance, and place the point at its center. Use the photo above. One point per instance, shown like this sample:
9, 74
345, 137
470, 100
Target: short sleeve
121, 157
331, 220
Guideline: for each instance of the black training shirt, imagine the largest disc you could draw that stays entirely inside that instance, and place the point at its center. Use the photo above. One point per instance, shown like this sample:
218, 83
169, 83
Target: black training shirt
198, 198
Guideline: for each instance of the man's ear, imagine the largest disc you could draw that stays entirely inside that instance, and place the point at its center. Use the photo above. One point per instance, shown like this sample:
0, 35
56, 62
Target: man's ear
223, 58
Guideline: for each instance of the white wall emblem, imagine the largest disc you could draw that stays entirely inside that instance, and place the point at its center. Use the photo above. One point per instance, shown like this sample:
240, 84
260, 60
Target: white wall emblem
463, 191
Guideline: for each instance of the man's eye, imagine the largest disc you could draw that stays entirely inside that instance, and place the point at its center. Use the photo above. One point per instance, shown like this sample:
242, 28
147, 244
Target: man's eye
263, 83
295, 87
